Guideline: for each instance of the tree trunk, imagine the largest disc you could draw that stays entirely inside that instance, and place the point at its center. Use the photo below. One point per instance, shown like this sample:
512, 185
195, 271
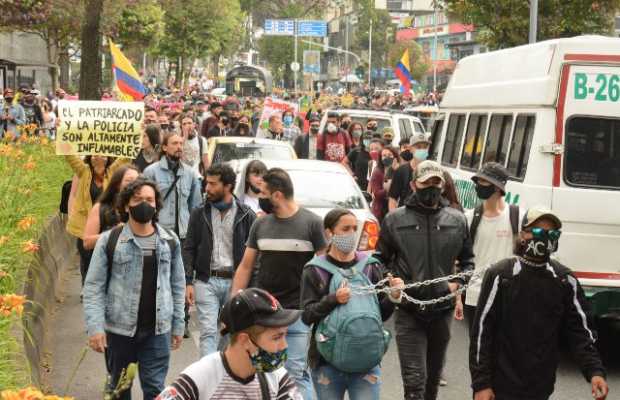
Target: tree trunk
178, 73
90, 66
63, 63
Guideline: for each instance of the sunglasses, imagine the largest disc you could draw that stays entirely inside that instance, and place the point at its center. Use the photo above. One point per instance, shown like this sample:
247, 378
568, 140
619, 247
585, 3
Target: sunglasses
540, 233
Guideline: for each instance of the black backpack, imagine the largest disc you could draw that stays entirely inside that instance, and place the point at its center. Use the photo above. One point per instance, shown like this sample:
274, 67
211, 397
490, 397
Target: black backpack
111, 247
478, 211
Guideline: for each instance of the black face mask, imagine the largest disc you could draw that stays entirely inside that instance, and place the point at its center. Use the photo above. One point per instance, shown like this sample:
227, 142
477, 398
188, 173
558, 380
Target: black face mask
484, 192
164, 127
8, 100
371, 128
537, 250
344, 125
406, 155
314, 129
266, 205
430, 196
253, 188
142, 213
387, 161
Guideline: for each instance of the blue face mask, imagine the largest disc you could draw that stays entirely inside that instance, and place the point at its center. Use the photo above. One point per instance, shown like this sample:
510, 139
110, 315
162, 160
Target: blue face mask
222, 205
288, 120
420, 154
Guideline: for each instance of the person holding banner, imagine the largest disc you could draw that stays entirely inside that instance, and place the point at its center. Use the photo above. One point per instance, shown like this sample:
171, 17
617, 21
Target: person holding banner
93, 175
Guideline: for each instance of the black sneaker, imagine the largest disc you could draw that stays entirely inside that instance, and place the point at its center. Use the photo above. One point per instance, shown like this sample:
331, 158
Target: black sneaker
186, 334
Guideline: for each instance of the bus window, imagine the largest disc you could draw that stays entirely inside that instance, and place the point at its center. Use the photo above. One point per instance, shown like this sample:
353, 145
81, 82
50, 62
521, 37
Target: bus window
592, 152
472, 150
436, 132
454, 138
405, 128
520, 146
496, 148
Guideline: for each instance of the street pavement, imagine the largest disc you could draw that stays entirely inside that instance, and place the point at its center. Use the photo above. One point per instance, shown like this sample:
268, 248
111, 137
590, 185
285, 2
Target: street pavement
68, 339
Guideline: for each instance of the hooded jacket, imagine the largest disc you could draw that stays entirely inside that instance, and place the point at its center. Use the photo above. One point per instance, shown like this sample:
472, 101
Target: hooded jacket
418, 244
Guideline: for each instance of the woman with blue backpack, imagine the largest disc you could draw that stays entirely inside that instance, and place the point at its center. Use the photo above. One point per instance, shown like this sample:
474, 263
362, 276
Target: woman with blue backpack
348, 339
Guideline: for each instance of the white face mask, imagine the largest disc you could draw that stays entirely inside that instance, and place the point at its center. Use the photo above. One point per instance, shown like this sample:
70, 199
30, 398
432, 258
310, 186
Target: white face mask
345, 243
331, 127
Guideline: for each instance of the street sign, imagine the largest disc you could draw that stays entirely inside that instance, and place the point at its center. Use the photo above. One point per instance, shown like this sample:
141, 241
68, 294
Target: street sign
295, 66
312, 62
312, 28
280, 27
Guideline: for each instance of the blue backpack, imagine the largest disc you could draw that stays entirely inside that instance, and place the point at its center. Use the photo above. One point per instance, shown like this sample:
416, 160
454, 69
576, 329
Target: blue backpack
351, 338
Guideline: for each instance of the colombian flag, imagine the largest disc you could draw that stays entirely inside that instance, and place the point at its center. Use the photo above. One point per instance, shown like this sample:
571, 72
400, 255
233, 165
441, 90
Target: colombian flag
127, 79
402, 72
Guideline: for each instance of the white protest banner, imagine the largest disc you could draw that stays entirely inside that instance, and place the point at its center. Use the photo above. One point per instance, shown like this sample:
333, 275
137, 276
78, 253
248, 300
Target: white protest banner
106, 128
275, 106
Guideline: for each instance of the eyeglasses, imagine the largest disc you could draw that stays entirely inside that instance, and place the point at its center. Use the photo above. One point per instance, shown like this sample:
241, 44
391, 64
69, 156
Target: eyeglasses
540, 233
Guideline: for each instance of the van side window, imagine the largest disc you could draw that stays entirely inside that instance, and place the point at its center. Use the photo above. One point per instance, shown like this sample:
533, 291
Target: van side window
436, 136
498, 138
472, 149
454, 138
592, 152
520, 146
405, 128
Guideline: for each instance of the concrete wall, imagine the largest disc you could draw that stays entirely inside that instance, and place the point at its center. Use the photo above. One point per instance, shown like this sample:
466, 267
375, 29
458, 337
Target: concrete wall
31, 50
57, 252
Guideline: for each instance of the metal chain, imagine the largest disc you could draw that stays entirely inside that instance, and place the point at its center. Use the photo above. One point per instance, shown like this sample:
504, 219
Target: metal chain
380, 287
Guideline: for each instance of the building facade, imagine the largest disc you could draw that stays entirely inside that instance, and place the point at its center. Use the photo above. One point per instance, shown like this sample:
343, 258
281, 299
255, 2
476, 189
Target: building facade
24, 61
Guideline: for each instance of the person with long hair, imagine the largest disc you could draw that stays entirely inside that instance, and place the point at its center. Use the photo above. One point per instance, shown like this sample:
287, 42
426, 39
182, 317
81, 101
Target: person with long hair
322, 298
449, 192
358, 159
150, 151
94, 174
103, 215
254, 172
388, 161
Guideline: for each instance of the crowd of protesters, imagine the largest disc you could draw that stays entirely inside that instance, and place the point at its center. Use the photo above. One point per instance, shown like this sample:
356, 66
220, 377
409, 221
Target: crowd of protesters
276, 288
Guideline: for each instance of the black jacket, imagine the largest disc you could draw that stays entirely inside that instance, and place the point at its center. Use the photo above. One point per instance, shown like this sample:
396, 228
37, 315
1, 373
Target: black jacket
522, 312
418, 244
198, 244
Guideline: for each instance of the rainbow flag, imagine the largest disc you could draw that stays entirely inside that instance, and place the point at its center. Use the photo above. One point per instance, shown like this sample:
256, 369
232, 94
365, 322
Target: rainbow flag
127, 79
403, 73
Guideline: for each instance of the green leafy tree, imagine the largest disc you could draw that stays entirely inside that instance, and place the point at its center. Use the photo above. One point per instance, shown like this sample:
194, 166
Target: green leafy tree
23, 13
505, 23
382, 31
140, 25
418, 61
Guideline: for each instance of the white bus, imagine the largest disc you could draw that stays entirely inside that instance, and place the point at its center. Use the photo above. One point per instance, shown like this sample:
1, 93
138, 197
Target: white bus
550, 113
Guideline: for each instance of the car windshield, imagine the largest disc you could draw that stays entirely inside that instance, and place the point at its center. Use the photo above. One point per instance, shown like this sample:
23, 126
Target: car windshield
225, 152
381, 122
320, 189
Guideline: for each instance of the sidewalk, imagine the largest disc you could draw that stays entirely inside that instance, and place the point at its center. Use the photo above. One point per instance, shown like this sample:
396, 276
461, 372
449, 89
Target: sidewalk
68, 338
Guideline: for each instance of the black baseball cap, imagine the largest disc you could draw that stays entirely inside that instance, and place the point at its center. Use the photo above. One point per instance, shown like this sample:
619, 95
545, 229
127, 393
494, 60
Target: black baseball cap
494, 173
252, 307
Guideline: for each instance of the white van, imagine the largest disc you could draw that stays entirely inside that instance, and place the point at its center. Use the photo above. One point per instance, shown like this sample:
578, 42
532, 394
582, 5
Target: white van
550, 113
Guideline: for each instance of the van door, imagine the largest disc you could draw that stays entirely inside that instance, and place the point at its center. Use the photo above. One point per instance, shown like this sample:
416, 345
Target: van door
586, 193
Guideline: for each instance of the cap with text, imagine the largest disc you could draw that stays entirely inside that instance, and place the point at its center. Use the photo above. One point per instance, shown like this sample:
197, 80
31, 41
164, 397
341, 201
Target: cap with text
428, 169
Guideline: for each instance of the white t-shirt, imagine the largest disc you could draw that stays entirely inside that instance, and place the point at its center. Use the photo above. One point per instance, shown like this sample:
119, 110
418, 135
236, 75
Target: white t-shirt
191, 150
252, 202
211, 379
494, 242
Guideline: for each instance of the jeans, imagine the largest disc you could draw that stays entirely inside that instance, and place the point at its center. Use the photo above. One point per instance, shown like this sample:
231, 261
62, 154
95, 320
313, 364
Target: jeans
210, 297
331, 384
298, 339
150, 351
422, 349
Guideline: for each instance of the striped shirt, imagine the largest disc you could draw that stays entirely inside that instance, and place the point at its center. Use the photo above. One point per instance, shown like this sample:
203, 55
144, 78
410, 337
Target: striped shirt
212, 379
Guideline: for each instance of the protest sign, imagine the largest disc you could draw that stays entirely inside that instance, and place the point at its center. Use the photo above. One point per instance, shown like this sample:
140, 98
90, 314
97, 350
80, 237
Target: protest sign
275, 106
106, 128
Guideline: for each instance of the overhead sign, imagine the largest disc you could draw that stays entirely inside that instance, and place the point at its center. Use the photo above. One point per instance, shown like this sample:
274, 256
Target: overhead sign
312, 62
280, 27
312, 28
107, 128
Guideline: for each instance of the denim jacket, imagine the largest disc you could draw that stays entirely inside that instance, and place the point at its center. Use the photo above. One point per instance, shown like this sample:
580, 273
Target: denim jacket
17, 112
117, 310
188, 188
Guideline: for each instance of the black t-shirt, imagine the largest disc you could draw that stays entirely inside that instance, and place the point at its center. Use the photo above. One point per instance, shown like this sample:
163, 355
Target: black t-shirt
285, 245
401, 187
148, 291
359, 159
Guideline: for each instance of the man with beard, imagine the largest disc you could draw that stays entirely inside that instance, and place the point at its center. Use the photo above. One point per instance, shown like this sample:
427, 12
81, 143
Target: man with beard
529, 304
212, 120
195, 148
334, 144
213, 249
421, 241
33, 112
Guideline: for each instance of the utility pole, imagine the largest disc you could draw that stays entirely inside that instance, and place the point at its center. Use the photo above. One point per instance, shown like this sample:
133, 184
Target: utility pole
369, 52
435, 48
295, 71
346, 44
533, 20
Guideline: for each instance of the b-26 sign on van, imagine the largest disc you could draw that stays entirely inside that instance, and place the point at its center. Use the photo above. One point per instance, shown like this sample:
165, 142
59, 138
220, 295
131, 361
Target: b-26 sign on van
600, 87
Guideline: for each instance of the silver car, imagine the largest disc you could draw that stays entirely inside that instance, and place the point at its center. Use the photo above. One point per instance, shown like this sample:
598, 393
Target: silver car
321, 186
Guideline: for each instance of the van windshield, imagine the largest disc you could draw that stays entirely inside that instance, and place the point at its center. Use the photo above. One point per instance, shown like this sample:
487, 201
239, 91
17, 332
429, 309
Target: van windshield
381, 122
592, 152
